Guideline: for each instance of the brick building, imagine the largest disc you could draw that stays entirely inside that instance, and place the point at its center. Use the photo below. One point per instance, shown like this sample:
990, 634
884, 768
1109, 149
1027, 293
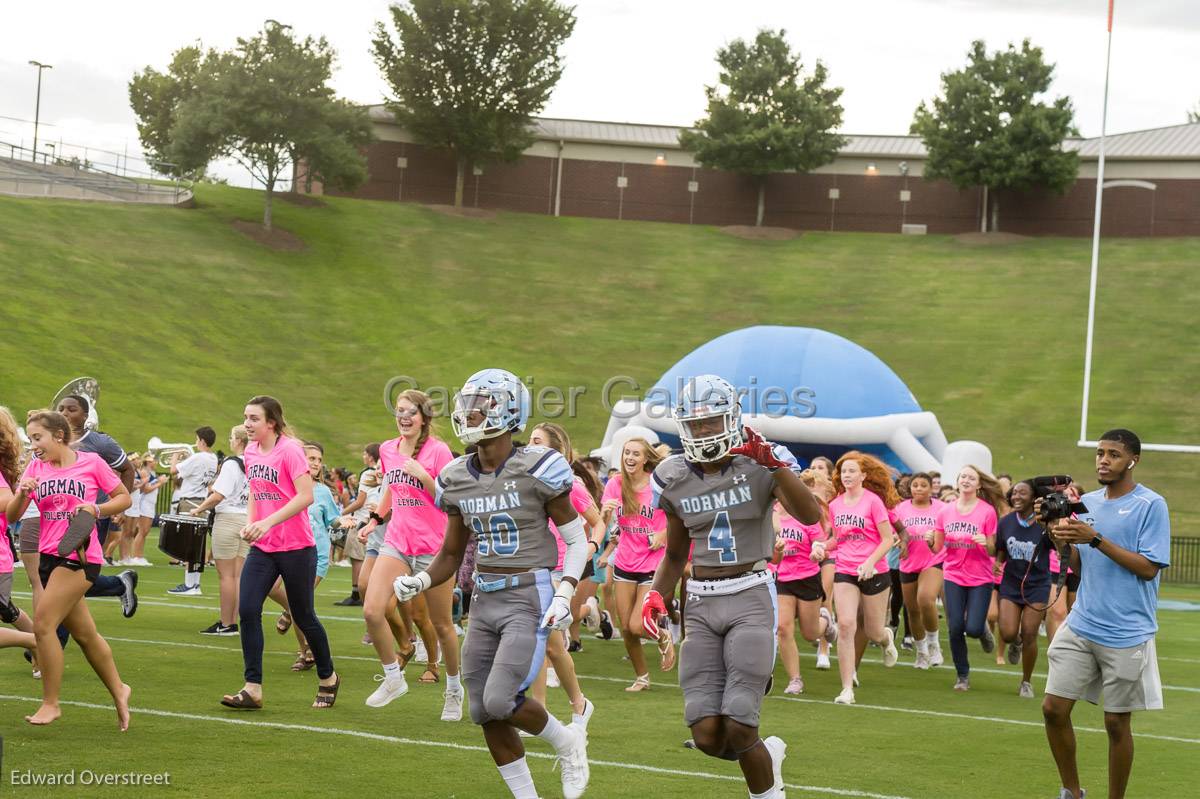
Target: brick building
627, 171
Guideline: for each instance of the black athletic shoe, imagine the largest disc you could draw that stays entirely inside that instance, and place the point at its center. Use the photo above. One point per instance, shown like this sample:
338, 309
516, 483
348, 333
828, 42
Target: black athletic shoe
351, 601
606, 628
575, 646
212, 628
129, 600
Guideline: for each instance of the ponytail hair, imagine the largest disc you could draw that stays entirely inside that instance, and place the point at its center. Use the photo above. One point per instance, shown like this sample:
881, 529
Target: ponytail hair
10, 449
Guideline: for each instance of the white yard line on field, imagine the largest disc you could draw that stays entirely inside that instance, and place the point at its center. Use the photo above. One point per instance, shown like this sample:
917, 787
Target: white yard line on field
447, 745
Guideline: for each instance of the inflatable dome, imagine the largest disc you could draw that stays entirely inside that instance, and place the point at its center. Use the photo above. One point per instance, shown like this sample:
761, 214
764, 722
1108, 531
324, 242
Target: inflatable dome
813, 391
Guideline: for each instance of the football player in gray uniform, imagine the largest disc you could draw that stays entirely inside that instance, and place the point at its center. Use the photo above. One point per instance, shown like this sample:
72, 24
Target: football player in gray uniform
504, 496
718, 496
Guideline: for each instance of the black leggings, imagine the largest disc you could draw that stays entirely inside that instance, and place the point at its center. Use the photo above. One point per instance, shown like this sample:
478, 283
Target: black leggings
298, 568
897, 607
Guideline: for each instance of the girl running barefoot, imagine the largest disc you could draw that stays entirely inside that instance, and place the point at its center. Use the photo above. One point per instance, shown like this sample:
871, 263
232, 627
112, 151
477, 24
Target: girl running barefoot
281, 546
864, 534
799, 550
64, 483
641, 542
1023, 547
966, 529
921, 568
416, 528
10, 458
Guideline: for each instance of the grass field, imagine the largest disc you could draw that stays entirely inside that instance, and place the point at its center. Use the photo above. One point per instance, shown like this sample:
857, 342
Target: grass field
183, 318
911, 736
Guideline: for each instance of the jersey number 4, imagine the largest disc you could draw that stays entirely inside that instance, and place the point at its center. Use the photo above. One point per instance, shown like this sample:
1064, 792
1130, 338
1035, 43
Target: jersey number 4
502, 536
720, 538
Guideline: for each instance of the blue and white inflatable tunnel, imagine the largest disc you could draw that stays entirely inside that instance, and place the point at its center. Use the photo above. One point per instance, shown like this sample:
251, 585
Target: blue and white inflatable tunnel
813, 391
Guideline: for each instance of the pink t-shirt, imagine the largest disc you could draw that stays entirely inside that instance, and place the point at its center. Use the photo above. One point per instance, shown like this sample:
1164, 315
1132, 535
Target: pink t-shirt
6, 557
918, 521
581, 500
797, 562
60, 491
633, 552
856, 529
417, 526
967, 563
272, 485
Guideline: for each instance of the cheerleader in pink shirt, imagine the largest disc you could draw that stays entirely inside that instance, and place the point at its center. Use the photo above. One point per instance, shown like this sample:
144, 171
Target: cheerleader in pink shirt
863, 532
64, 483
921, 567
966, 530
799, 551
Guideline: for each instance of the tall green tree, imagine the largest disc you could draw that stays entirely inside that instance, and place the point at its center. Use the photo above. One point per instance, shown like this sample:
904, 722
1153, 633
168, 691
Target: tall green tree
990, 128
765, 115
267, 105
469, 75
155, 98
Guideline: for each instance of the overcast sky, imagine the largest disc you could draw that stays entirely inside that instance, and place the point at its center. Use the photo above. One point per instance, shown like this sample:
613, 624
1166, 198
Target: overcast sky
629, 60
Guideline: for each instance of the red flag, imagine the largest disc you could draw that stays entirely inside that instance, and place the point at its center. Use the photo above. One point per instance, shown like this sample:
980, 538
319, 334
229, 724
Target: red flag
1110, 10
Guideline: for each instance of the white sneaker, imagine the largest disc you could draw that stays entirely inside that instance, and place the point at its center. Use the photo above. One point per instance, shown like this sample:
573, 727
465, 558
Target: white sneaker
778, 750
831, 630
552, 678
452, 709
142, 562
591, 614
581, 720
922, 660
1025, 691
890, 653
846, 697
823, 662
421, 655
389, 688
856, 679
574, 764
935, 655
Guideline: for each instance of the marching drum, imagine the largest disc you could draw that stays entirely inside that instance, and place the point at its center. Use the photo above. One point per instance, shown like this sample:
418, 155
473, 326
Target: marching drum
183, 537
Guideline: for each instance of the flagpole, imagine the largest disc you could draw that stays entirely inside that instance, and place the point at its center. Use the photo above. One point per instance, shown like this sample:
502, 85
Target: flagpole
1091, 319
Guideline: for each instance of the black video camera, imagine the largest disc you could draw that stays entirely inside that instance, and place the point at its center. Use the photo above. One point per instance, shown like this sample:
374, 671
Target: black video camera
1055, 504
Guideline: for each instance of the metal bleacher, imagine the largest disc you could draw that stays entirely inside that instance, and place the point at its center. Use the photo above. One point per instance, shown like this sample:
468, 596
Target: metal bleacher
26, 174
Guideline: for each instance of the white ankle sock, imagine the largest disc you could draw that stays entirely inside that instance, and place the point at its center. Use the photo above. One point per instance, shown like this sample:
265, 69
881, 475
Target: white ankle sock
191, 579
770, 793
392, 669
555, 734
932, 640
923, 647
518, 779
454, 682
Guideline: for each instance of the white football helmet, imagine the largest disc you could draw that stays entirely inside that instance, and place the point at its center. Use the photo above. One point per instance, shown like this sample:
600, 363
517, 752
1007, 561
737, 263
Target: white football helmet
706, 398
499, 396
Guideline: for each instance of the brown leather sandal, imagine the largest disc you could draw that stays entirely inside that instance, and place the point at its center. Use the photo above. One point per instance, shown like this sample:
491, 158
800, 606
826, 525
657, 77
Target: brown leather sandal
304, 661
431, 675
327, 694
242, 700
283, 623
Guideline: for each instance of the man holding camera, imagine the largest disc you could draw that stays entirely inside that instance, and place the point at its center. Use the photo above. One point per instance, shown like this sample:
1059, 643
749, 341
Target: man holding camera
1107, 643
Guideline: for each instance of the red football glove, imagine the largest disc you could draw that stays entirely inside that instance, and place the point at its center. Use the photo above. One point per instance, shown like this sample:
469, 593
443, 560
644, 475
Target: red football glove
757, 449
653, 608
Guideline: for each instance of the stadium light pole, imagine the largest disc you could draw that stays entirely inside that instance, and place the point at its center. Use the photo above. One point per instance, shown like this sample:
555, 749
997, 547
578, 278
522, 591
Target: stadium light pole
37, 108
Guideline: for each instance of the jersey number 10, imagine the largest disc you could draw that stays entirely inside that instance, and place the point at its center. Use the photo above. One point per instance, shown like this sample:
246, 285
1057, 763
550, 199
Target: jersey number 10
502, 536
720, 538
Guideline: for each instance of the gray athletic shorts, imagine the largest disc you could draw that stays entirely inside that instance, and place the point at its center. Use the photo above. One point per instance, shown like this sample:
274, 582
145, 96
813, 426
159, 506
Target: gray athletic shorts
505, 643
1081, 669
31, 530
416, 563
728, 655
375, 541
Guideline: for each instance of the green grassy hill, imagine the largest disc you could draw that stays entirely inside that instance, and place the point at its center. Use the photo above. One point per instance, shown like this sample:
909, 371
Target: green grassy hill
183, 318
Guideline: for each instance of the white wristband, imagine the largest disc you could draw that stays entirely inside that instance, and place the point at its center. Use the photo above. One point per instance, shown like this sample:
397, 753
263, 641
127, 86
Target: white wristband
565, 590
424, 578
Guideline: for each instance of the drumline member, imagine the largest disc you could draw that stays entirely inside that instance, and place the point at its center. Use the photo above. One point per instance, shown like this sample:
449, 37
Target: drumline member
282, 545
640, 545
65, 484
1023, 546
553, 436
719, 494
228, 498
863, 532
967, 530
147, 500
195, 473
506, 495
921, 568
10, 470
75, 410
416, 527
799, 552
